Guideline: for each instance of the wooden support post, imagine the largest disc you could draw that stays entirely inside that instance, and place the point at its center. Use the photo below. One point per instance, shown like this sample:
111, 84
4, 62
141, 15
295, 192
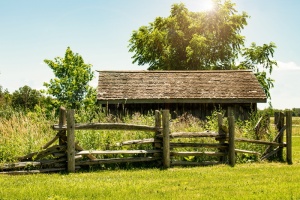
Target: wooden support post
71, 140
279, 126
289, 137
221, 131
157, 125
62, 121
166, 138
231, 149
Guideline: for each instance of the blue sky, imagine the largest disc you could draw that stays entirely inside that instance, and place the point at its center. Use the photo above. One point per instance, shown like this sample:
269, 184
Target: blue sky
34, 30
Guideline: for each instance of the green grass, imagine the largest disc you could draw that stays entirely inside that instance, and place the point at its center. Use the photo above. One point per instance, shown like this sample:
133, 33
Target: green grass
244, 181
264, 180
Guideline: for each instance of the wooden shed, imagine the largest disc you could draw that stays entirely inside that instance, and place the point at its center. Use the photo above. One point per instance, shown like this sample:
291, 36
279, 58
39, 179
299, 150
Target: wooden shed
194, 92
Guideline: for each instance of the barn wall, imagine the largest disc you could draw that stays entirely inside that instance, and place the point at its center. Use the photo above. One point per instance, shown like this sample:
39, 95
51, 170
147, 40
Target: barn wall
240, 111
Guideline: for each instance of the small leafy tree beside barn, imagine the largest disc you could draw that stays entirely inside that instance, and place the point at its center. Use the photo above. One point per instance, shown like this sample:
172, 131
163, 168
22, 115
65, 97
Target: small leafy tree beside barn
70, 85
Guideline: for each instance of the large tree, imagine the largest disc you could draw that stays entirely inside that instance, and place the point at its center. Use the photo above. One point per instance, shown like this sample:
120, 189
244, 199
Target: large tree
72, 76
208, 40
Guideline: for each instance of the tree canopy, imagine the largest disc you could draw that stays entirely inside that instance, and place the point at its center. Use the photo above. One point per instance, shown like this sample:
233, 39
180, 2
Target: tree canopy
208, 40
72, 75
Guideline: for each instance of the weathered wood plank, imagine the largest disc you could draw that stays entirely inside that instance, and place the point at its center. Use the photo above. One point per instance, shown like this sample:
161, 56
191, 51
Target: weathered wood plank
266, 156
260, 142
21, 165
143, 141
197, 153
110, 126
79, 148
71, 140
10, 166
24, 172
231, 141
206, 145
118, 152
289, 137
117, 160
43, 153
246, 151
279, 134
50, 142
196, 134
188, 163
166, 138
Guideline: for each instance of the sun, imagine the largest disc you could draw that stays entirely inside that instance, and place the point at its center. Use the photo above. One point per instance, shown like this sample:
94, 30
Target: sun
207, 5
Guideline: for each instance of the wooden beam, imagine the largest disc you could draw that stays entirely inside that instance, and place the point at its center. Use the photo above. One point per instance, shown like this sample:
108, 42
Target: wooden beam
50, 142
116, 160
166, 138
289, 137
110, 126
260, 142
192, 144
271, 153
246, 151
71, 140
106, 152
197, 153
188, 163
231, 149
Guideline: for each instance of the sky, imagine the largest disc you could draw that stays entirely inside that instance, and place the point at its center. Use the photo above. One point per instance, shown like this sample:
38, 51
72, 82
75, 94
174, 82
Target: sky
99, 30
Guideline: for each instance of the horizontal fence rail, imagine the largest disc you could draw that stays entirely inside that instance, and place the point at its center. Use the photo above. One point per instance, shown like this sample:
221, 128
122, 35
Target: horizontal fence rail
109, 126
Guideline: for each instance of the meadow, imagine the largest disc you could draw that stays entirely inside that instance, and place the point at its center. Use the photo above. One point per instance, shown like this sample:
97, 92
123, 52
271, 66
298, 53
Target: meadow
247, 180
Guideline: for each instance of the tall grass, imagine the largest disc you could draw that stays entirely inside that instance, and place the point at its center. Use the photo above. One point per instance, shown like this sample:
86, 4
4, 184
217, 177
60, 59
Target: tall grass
22, 133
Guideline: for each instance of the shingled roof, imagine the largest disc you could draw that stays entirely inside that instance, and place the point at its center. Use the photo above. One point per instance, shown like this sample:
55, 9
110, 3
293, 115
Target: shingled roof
207, 86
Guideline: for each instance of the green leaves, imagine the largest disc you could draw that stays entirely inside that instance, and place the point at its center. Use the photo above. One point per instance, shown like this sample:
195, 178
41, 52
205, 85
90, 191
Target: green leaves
202, 41
190, 40
72, 76
258, 59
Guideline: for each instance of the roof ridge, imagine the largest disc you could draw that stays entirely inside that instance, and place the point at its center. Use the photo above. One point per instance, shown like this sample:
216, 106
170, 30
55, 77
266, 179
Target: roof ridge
171, 71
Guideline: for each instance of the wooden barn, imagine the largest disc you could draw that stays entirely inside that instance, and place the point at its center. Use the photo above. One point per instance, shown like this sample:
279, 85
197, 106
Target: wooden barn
193, 92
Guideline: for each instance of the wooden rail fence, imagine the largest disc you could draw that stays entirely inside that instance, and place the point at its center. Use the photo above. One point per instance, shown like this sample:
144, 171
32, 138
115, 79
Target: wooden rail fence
68, 154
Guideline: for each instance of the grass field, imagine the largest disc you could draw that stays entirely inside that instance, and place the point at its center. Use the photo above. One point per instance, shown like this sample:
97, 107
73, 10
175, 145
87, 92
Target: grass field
263, 180
244, 181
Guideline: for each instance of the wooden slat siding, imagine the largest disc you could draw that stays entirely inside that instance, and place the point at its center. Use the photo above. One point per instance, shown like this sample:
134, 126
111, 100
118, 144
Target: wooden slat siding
208, 86
109, 126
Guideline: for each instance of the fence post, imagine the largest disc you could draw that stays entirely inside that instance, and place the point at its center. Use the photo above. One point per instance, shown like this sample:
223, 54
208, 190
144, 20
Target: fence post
289, 137
61, 123
279, 125
157, 141
166, 138
71, 140
221, 131
231, 149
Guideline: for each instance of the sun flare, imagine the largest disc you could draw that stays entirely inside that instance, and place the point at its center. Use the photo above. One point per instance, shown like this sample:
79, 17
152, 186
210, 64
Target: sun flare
207, 5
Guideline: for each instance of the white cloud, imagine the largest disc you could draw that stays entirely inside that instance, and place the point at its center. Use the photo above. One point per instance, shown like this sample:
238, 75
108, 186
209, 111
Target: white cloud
287, 66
